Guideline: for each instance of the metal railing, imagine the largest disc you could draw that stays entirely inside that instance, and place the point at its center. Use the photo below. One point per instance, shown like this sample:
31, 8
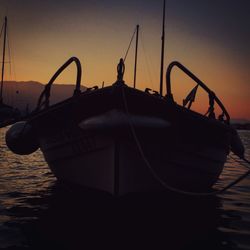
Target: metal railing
169, 95
46, 92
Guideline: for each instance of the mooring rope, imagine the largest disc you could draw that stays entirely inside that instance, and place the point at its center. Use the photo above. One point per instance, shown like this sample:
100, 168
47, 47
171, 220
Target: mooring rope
240, 162
159, 179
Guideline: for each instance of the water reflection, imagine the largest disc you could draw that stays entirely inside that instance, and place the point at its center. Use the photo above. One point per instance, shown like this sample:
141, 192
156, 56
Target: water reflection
37, 212
68, 219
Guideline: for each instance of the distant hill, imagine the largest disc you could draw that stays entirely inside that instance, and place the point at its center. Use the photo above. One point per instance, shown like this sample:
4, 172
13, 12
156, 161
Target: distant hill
241, 126
23, 94
239, 121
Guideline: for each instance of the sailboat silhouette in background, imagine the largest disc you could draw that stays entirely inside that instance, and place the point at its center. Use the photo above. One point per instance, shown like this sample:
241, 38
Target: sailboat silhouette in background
8, 114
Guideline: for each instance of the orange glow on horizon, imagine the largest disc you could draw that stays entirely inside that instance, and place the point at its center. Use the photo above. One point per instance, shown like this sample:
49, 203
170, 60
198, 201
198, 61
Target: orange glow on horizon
99, 40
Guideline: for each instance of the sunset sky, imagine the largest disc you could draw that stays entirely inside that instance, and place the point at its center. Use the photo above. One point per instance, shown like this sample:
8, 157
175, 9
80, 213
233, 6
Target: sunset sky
211, 38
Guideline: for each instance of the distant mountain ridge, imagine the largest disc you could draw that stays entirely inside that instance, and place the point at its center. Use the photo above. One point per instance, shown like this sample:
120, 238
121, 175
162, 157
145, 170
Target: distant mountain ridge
25, 94
240, 121
19, 94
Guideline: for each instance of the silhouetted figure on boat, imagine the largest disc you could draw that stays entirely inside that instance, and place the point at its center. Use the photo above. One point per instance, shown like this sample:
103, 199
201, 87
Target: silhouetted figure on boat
120, 71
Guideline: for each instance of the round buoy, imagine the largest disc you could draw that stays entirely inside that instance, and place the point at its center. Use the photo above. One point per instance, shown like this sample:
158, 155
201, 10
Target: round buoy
21, 139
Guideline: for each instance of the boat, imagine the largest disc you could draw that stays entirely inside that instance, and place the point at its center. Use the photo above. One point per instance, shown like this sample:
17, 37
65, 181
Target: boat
119, 139
8, 114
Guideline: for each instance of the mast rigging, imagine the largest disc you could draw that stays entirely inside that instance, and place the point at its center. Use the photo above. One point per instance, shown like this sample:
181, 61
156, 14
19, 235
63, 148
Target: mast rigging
3, 60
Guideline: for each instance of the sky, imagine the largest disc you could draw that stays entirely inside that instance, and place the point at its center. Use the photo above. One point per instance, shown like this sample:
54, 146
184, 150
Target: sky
211, 38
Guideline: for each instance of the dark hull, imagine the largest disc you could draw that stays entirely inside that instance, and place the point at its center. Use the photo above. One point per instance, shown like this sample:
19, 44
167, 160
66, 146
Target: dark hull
183, 148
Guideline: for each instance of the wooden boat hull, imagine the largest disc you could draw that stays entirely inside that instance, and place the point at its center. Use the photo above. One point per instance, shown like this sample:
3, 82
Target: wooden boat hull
186, 150
116, 166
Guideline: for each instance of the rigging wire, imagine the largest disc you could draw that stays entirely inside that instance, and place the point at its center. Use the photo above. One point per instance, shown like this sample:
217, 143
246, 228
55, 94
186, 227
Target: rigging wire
12, 73
146, 59
145, 55
132, 38
11, 58
1, 31
11, 97
9, 53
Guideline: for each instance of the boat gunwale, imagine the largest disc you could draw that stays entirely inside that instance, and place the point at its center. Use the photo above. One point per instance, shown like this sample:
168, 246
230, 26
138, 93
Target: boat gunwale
161, 100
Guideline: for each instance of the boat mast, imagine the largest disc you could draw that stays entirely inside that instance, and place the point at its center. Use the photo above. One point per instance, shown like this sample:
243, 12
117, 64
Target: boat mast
3, 60
162, 47
136, 50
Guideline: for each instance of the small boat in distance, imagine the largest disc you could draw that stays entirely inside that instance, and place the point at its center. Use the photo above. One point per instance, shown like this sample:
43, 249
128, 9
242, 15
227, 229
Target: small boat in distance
122, 140
8, 114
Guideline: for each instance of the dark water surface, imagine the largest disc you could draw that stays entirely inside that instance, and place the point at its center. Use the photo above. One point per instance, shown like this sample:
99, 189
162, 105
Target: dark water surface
37, 212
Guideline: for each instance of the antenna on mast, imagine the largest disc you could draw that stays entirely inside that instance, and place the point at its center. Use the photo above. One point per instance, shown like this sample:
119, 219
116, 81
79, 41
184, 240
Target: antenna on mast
162, 47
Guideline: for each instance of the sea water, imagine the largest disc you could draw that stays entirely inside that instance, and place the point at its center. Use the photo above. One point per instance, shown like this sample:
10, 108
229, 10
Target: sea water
37, 212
